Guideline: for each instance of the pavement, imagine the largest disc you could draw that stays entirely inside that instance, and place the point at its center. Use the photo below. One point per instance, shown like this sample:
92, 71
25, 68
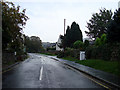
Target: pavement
108, 78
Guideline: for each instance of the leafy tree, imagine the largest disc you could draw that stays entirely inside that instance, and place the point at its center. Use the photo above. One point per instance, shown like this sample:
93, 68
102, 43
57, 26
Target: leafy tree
72, 34
103, 39
97, 41
13, 21
78, 44
98, 23
114, 28
33, 44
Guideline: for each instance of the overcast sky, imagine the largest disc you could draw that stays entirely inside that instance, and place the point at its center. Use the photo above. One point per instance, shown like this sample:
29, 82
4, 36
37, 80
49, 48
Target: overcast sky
47, 16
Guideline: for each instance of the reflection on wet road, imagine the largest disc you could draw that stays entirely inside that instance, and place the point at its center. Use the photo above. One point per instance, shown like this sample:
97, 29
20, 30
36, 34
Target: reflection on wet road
39, 71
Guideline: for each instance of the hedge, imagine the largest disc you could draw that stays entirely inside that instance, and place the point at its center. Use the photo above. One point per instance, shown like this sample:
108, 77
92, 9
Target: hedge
69, 52
109, 52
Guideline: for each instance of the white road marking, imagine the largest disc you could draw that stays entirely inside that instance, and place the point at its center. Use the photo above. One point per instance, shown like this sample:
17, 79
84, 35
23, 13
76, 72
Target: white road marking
41, 71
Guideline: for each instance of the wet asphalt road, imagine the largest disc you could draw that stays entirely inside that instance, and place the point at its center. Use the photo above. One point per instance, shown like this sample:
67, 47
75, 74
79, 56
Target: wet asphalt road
39, 71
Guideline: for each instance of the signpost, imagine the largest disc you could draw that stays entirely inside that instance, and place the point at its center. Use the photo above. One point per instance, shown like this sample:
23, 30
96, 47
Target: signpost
82, 55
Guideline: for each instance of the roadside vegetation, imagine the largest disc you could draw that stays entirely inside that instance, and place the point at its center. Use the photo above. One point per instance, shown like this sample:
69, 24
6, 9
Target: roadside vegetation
15, 44
107, 66
102, 49
48, 53
13, 22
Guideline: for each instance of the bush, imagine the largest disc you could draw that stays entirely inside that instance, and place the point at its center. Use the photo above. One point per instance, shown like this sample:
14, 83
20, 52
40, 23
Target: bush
69, 52
78, 44
60, 54
88, 52
105, 52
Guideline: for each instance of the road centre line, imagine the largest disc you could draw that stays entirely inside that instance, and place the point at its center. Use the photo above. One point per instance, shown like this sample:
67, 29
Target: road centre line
41, 71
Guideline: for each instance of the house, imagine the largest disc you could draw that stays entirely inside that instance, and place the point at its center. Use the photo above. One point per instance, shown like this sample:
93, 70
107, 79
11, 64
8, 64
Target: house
58, 44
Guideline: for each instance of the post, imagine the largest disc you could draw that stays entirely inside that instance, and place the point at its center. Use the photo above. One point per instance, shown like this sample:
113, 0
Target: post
118, 4
64, 35
82, 55
64, 26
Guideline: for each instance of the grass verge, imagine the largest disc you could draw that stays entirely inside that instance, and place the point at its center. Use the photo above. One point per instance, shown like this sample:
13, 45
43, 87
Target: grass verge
107, 66
48, 54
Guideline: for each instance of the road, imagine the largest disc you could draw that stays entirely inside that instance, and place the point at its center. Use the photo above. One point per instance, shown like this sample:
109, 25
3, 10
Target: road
39, 71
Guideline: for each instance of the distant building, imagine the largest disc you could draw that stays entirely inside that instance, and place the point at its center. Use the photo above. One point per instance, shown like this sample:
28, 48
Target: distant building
58, 43
48, 45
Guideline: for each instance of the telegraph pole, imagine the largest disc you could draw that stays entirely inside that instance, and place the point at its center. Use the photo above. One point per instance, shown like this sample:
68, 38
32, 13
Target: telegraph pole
64, 35
118, 4
64, 26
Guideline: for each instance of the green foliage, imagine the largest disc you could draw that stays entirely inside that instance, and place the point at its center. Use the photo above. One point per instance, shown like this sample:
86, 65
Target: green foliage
103, 39
60, 54
98, 23
51, 48
69, 52
13, 21
97, 41
110, 52
33, 44
114, 28
72, 34
86, 44
107, 66
78, 44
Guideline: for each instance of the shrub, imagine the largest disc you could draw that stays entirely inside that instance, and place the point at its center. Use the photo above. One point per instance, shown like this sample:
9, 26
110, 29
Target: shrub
78, 44
60, 54
88, 52
69, 52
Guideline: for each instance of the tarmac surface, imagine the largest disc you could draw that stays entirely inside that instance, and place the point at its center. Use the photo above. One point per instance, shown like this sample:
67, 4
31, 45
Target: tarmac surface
39, 71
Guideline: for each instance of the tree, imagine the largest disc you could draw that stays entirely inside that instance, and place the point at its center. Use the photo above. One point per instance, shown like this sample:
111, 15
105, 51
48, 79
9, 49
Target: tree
114, 28
78, 44
13, 21
98, 23
72, 34
33, 44
103, 39
97, 41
